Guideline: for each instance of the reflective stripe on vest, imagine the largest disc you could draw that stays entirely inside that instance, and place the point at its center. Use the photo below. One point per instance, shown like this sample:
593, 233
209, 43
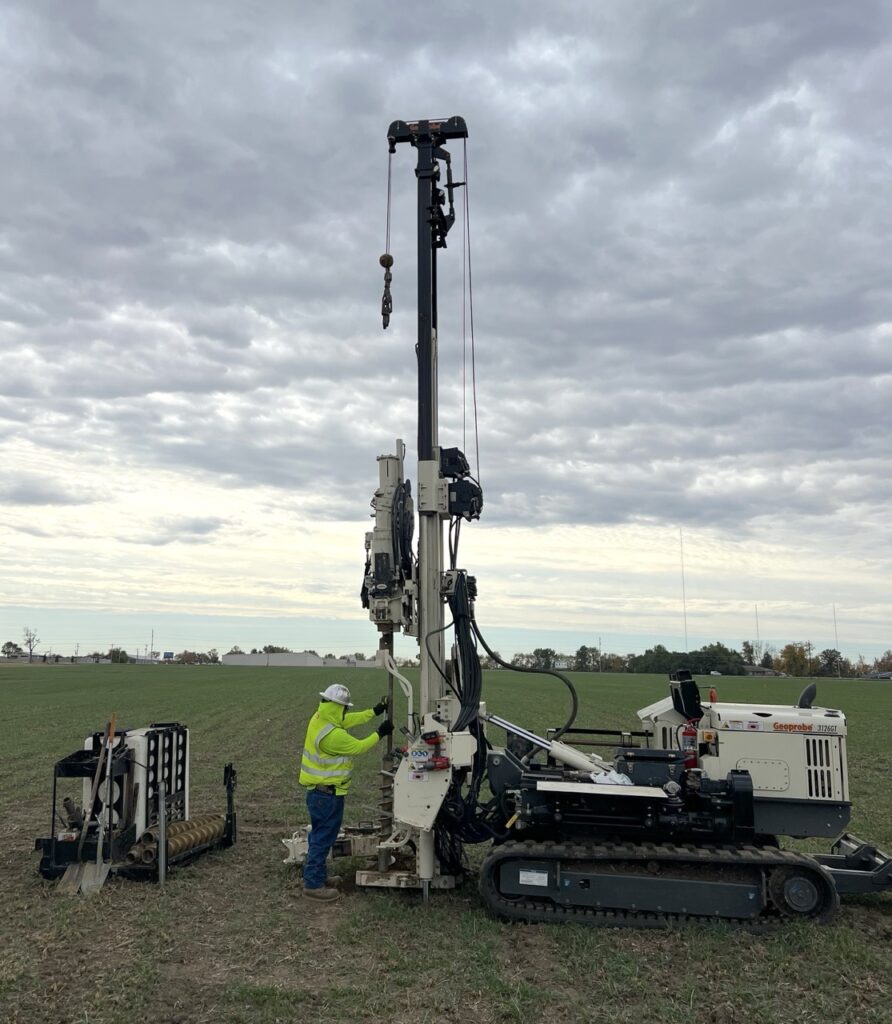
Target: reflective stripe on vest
318, 768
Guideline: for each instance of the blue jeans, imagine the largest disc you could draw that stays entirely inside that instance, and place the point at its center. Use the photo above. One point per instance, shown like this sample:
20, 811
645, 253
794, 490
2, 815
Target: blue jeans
326, 814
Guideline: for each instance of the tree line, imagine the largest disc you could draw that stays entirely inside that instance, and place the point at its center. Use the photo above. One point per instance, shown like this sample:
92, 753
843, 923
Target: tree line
793, 659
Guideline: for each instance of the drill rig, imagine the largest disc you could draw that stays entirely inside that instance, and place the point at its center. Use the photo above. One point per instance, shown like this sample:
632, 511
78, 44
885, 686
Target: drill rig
680, 821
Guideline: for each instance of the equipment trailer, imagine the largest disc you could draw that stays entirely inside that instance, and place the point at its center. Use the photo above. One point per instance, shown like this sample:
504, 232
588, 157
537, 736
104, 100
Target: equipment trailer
680, 822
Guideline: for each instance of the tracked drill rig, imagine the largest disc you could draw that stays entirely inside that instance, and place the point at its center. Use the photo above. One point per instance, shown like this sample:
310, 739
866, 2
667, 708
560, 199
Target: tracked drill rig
680, 820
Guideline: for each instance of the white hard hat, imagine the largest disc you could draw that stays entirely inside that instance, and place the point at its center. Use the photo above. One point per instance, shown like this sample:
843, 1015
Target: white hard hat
337, 693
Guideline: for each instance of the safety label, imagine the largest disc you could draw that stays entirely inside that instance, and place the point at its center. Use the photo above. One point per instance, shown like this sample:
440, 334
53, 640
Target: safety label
532, 877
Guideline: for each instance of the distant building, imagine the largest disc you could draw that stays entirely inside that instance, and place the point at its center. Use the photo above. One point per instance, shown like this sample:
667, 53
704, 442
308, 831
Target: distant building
294, 659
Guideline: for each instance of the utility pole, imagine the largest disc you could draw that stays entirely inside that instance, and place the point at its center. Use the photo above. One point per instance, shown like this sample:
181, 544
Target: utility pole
684, 599
838, 652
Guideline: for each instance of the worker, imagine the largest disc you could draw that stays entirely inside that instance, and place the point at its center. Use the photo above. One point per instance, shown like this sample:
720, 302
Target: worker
326, 769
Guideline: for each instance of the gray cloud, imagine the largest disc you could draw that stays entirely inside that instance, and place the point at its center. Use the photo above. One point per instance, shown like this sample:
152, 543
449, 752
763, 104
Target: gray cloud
32, 531
32, 489
679, 238
179, 530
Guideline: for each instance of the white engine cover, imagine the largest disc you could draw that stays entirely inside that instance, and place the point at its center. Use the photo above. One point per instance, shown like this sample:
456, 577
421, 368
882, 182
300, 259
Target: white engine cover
791, 753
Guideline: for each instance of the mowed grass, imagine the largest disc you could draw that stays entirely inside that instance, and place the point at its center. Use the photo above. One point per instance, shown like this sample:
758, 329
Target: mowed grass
229, 938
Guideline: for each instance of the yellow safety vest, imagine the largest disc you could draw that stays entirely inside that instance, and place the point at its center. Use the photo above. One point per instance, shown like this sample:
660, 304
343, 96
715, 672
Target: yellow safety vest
318, 768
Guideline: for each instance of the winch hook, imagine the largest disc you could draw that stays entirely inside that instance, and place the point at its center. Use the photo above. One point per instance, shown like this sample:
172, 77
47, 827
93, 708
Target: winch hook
386, 262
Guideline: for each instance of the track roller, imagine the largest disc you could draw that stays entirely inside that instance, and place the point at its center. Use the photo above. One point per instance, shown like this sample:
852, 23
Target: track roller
802, 893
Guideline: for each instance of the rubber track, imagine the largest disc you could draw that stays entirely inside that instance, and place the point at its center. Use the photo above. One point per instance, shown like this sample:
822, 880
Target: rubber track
704, 858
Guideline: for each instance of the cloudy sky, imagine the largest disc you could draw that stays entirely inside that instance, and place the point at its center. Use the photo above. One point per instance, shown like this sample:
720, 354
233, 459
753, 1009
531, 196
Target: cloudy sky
679, 225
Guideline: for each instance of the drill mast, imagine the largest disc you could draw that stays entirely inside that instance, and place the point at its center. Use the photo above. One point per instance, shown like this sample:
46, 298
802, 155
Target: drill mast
412, 597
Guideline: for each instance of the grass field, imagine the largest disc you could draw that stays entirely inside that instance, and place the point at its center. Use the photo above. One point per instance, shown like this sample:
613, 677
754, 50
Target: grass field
230, 940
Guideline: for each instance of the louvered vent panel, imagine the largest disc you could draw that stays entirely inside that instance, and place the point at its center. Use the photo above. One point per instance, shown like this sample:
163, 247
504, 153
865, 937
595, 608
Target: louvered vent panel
818, 770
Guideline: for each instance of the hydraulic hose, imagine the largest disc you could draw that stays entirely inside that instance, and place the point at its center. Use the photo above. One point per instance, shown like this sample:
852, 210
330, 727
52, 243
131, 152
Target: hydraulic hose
535, 671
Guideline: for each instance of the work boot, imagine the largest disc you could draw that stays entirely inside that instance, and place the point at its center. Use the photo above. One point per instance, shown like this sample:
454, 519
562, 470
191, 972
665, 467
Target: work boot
321, 895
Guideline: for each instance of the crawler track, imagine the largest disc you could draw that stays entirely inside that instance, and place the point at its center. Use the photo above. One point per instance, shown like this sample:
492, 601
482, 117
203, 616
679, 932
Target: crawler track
652, 885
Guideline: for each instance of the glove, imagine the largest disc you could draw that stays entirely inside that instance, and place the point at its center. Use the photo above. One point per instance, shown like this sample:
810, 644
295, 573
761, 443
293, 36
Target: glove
385, 728
380, 707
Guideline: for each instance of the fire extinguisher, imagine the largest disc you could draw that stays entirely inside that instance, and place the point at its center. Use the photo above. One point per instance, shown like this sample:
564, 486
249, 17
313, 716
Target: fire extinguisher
689, 743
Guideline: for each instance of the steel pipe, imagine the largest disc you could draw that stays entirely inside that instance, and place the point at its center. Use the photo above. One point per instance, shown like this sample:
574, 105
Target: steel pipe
174, 828
182, 841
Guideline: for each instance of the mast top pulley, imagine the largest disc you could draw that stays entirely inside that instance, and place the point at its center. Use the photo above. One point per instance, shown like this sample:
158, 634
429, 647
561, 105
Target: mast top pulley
432, 131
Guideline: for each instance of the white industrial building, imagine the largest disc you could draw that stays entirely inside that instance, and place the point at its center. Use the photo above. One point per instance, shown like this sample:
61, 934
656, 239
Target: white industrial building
294, 659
